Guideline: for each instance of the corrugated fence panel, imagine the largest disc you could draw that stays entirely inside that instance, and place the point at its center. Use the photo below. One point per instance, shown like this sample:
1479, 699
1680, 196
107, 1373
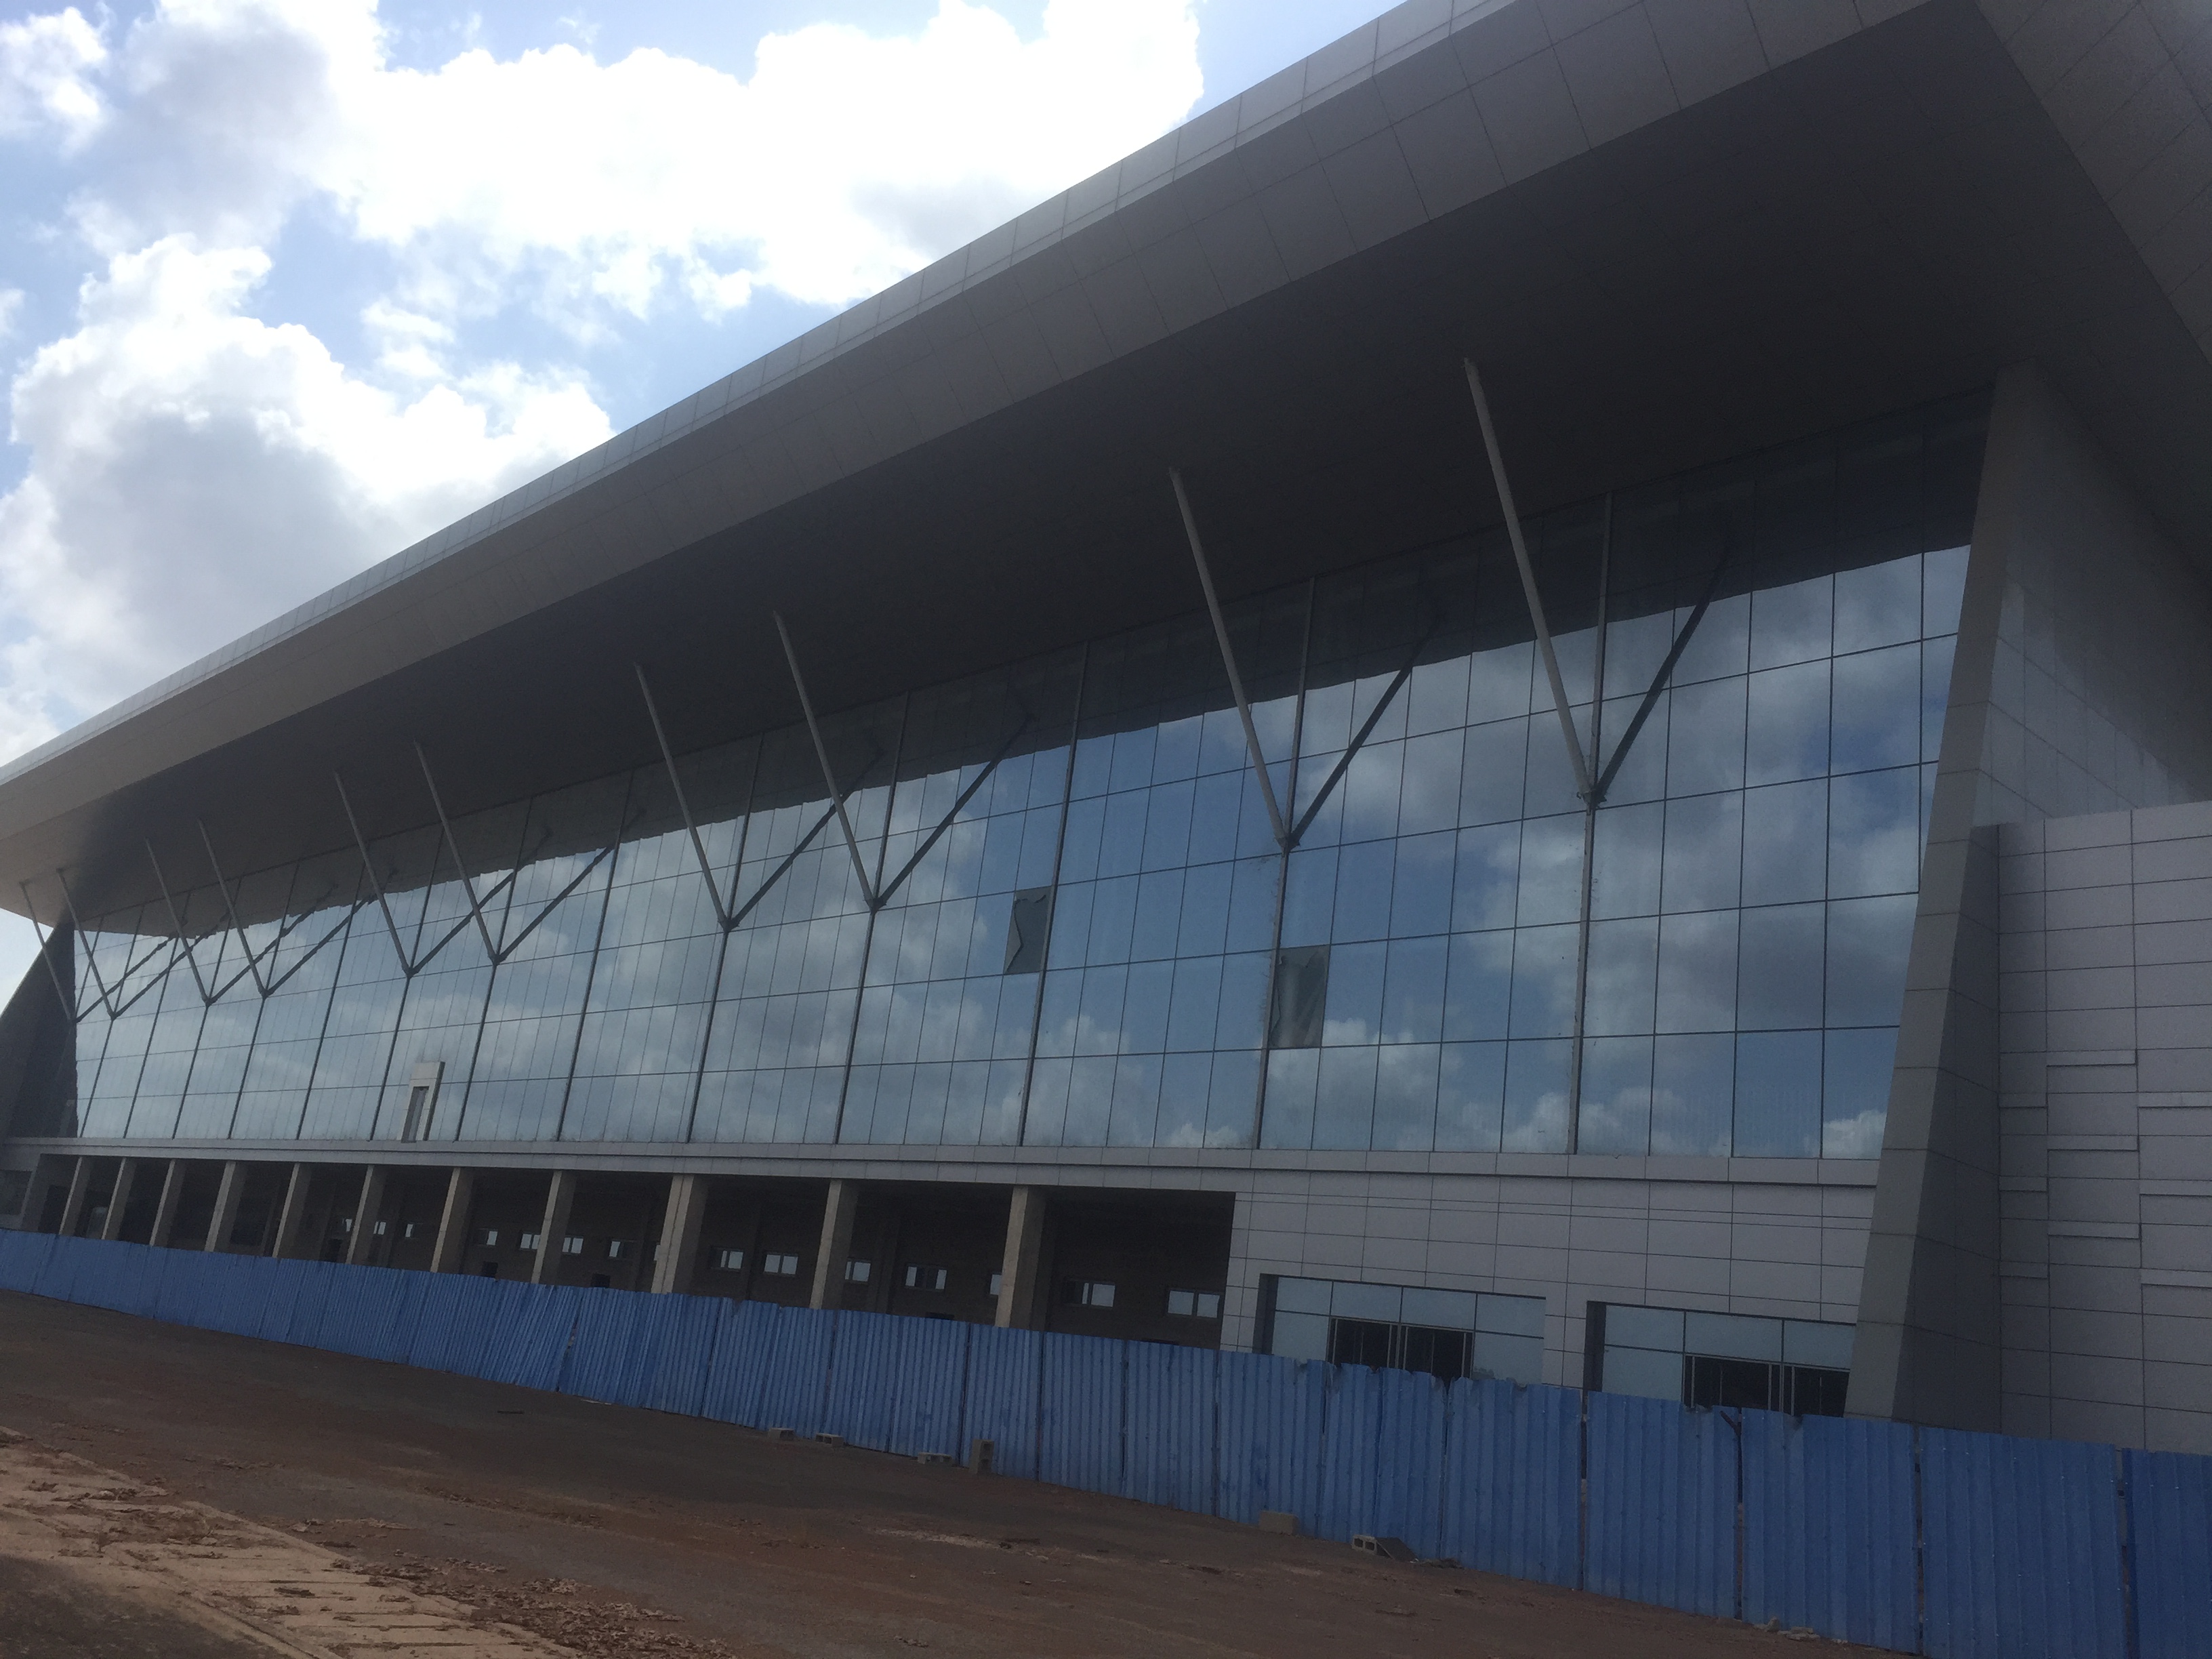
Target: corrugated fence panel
797, 1383
1004, 1379
450, 1325
931, 1363
1513, 1481
528, 1335
1272, 1412
1412, 1438
2022, 1555
611, 1326
1171, 1400
353, 1310
22, 1257
1661, 1504
307, 1307
1828, 1528
285, 1279
2170, 1523
1080, 1413
183, 1278
57, 1276
673, 1377
743, 1350
862, 1380
1349, 1447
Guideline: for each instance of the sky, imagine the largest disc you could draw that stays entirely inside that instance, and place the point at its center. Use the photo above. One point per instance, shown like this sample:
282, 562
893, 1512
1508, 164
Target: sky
286, 285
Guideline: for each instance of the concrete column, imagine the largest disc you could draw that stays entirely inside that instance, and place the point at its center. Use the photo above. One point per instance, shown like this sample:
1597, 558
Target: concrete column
73, 1207
293, 1216
679, 1232
165, 1210
125, 1172
560, 1198
837, 1212
226, 1207
454, 1223
1017, 1273
365, 1214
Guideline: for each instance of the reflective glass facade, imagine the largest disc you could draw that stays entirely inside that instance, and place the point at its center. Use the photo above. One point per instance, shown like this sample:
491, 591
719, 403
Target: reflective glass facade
1049, 905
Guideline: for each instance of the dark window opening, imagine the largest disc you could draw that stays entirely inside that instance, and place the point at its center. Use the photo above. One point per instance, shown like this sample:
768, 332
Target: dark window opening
1759, 1385
602, 1282
1085, 1293
1028, 927
918, 1278
1360, 1341
417, 1098
1301, 997
488, 1270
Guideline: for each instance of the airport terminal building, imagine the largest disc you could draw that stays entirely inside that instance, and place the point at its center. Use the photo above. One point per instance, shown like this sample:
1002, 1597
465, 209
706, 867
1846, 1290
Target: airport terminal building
1535, 702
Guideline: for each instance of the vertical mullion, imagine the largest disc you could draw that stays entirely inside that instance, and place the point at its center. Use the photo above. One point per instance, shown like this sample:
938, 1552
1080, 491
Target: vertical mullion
1282, 871
870, 887
592, 968
1590, 803
1059, 849
725, 933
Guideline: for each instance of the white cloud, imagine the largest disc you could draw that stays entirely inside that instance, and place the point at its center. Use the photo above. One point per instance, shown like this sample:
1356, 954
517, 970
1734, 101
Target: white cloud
194, 468
45, 69
11, 307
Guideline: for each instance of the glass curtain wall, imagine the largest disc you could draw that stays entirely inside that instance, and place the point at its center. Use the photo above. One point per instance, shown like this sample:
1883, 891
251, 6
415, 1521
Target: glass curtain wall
1051, 905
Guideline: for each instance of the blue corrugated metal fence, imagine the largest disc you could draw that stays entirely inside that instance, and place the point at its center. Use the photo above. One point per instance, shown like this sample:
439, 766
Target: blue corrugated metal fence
1922, 1540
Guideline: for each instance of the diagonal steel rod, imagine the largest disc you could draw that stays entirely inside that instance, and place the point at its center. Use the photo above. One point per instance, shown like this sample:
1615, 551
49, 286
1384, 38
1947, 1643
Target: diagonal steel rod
1591, 805
1358, 740
1659, 680
553, 903
176, 920
683, 803
1283, 836
468, 887
945, 823
829, 775
230, 909
308, 955
45, 953
76, 922
737, 916
407, 966
1528, 584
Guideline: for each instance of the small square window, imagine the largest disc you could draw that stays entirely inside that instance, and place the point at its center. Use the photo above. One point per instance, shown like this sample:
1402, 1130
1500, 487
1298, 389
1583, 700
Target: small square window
491, 1238
1182, 1303
408, 1231
378, 1229
783, 1266
997, 1281
918, 1278
572, 1245
730, 1261
1086, 1293
856, 1273
532, 1241
619, 1248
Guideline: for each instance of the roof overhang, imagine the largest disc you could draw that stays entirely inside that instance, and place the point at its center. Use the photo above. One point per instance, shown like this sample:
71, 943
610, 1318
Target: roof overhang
1664, 251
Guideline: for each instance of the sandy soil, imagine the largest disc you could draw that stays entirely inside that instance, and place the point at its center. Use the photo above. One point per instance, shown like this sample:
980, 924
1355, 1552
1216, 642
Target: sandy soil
542, 1524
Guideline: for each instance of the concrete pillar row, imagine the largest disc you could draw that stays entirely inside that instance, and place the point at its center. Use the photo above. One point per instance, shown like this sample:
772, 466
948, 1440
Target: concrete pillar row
679, 1233
560, 1198
226, 1207
365, 1214
73, 1207
164, 1209
454, 1223
293, 1216
1017, 1274
837, 1212
126, 1173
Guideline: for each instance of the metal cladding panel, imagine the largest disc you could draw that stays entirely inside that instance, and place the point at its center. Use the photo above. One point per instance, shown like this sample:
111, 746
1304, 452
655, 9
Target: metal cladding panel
743, 1350
673, 1377
1828, 1528
57, 1274
22, 1258
1662, 1485
1172, 1399
2170, 1528
1512, 1500
862, 1379
527, 1336
450, 1323
1005, 1384
1351, 1443
1272, 1412
2022, 1552
929, 1369
1079, 1417
1412, 1438
353, 1310
393, 1332
183, 1279
796, 1385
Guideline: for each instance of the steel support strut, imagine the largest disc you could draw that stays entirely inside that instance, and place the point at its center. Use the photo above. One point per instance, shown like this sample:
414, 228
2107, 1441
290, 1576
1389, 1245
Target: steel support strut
1582, 783
230, 909
1283, 836
684, 803
407, 963
468, 887
829, 776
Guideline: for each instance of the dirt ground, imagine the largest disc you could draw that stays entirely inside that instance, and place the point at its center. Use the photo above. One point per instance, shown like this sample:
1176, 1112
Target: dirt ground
416, 1513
